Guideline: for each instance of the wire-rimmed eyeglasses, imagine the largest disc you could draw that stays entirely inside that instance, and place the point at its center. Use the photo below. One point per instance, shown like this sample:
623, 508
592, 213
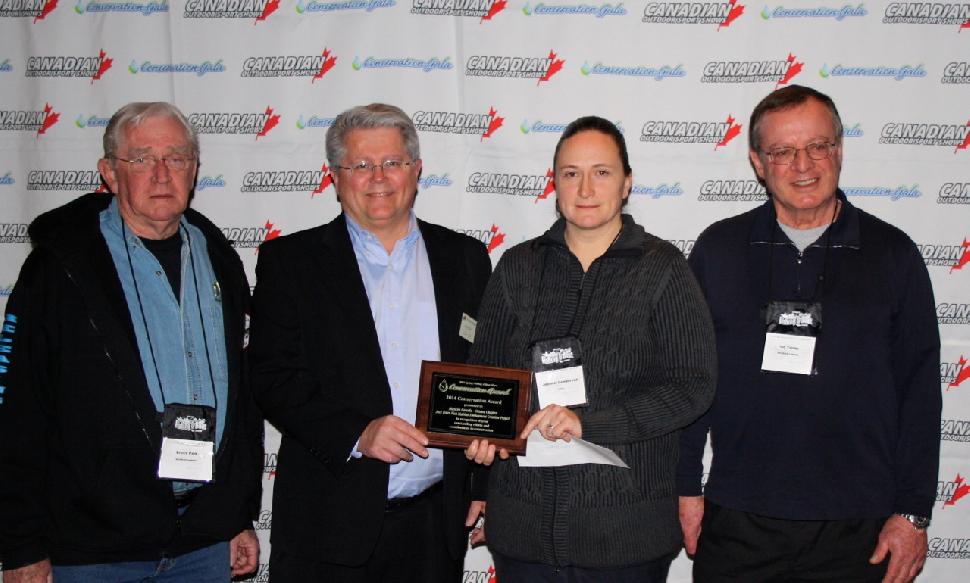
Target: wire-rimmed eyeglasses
815, 151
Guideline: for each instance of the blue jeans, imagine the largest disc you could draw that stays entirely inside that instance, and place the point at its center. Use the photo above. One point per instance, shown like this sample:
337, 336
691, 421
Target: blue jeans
206, 565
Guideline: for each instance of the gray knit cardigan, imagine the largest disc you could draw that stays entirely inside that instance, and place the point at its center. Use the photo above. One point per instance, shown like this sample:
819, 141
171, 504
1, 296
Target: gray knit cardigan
649, 363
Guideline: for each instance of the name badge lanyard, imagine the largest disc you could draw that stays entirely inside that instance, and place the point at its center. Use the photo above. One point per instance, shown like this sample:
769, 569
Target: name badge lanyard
191, 454
792, 326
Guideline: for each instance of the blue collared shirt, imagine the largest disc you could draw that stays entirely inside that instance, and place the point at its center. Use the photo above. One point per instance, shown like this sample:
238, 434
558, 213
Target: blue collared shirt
175, 333
401, 296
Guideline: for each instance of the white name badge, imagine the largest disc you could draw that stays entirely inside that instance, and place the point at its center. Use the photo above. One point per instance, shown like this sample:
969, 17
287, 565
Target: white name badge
467, 328
186, 459
561, 386
788, 353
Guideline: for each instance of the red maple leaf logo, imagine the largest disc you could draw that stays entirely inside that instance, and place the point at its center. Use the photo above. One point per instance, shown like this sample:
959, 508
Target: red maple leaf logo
733, 14
964, 25
270, 8
271, 234
49, 6
964, 258
271, 122
328, 63
793, 70
550, 187
961, 491
962, 374
496, 7
491, 574
326, 181
497, 238
102, 187
733, 131
50, 118
104, 63
494, 124
966, 142
554, 67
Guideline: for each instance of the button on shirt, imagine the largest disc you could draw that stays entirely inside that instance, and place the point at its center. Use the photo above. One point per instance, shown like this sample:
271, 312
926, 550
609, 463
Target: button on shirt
401, 296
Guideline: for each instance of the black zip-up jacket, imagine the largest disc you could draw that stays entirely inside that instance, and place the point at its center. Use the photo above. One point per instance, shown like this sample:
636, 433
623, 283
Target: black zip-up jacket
649, 365
79, 433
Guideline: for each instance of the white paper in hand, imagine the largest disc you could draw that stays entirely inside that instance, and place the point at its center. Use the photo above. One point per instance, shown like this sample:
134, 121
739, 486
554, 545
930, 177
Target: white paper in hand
544, 453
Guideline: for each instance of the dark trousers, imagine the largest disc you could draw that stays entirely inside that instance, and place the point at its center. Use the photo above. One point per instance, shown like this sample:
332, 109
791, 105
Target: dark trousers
739, 547
411, 549
513, 571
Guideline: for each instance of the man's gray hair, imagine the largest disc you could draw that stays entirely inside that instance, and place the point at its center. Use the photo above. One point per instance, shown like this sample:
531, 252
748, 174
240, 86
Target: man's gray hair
375, 115
136, 112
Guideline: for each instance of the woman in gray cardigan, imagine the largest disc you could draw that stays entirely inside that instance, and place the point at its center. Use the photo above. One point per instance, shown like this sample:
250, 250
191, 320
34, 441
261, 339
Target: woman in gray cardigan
621, 305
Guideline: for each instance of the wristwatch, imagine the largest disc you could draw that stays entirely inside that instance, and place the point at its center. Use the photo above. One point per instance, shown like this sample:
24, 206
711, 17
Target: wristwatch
918, 522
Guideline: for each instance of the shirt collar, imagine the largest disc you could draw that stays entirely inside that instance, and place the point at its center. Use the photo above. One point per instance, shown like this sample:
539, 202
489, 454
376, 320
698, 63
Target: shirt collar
845, 229
368, 247
111, 217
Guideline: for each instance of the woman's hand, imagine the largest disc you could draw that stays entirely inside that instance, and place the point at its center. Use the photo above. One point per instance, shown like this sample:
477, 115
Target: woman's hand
482, 452
554, 422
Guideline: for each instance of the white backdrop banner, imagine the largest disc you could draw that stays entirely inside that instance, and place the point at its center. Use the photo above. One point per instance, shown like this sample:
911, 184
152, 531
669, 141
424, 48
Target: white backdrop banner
490, 85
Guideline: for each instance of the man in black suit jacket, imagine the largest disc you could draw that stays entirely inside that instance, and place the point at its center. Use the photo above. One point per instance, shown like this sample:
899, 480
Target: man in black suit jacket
334, 307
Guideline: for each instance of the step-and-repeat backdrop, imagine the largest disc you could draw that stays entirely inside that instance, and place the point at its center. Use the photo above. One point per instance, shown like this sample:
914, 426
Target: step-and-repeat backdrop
490, 84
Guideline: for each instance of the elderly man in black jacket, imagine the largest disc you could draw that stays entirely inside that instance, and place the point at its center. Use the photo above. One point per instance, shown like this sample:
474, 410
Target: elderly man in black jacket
128, 444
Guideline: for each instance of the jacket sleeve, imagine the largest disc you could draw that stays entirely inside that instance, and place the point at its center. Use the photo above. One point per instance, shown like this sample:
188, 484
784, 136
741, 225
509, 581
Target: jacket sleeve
496, 321
253, 427
682, 377
25, 349
915, 346
690, 467
251, 431
291, 397
479, 267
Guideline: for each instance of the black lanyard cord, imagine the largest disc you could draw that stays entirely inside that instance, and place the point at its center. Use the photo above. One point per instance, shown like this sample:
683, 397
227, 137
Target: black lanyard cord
205, 337
141, 309
144, 320
820, 288
817, 293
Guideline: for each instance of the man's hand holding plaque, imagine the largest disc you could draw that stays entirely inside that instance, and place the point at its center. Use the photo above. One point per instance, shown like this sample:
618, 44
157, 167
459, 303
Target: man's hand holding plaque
392, 440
